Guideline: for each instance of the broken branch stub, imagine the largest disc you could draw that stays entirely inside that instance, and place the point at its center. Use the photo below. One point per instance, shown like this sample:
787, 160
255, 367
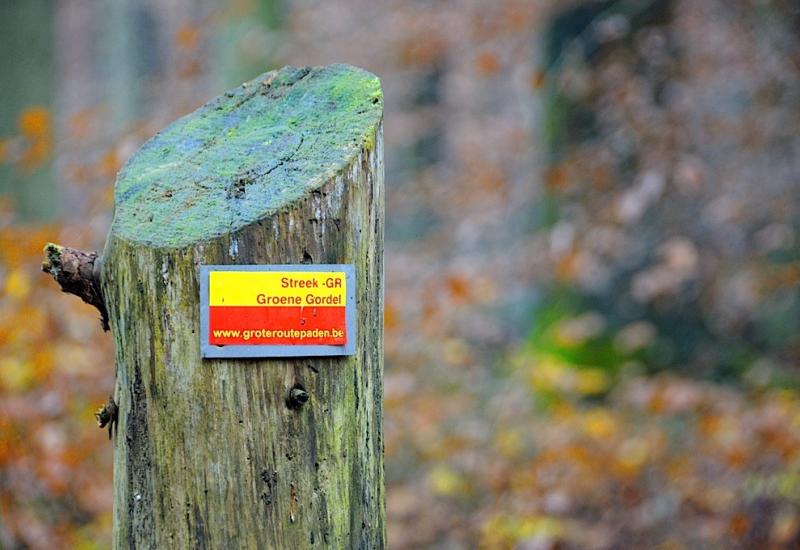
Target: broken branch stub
76, 272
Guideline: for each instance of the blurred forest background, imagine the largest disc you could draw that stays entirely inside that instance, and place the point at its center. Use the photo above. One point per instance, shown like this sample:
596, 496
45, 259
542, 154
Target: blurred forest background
592, 263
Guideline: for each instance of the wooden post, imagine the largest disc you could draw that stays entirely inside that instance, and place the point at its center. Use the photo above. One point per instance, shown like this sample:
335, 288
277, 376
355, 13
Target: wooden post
285, 169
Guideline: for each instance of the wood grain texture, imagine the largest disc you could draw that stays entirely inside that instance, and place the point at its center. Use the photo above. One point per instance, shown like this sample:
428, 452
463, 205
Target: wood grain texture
207, 452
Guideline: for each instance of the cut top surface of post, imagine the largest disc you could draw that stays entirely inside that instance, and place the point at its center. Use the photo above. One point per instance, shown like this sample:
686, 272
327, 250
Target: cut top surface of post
246, 154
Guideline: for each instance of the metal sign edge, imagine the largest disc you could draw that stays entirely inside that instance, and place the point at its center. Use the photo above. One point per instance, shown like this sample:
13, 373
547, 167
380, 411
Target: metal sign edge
208, 351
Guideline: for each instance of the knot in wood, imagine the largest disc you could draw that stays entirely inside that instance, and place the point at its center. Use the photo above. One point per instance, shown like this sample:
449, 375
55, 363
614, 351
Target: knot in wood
298, 397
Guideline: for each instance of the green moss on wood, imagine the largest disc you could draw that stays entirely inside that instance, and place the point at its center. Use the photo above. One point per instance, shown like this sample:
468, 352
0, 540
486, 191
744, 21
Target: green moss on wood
246, 154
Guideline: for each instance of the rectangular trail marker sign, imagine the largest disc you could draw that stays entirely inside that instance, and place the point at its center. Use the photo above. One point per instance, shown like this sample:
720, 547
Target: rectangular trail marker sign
277, 310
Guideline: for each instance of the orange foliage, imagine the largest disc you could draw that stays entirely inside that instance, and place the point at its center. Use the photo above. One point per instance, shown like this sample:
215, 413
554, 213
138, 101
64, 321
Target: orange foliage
34, 125
187, 37
34, 122
390, 320
556, 177
459, 288
538, 79
109, 165
32, 146
738, 525
80, 124
423, 48
56, 364
487, 63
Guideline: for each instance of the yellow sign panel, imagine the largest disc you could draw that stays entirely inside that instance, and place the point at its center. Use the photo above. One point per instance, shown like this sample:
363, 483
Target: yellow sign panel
277, 288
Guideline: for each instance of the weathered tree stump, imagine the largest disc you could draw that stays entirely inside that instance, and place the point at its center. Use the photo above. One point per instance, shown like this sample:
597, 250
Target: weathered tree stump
235, 453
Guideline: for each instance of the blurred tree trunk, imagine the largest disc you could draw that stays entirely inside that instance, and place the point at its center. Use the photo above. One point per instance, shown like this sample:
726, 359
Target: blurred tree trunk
26, 88
248, 39
133, 57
